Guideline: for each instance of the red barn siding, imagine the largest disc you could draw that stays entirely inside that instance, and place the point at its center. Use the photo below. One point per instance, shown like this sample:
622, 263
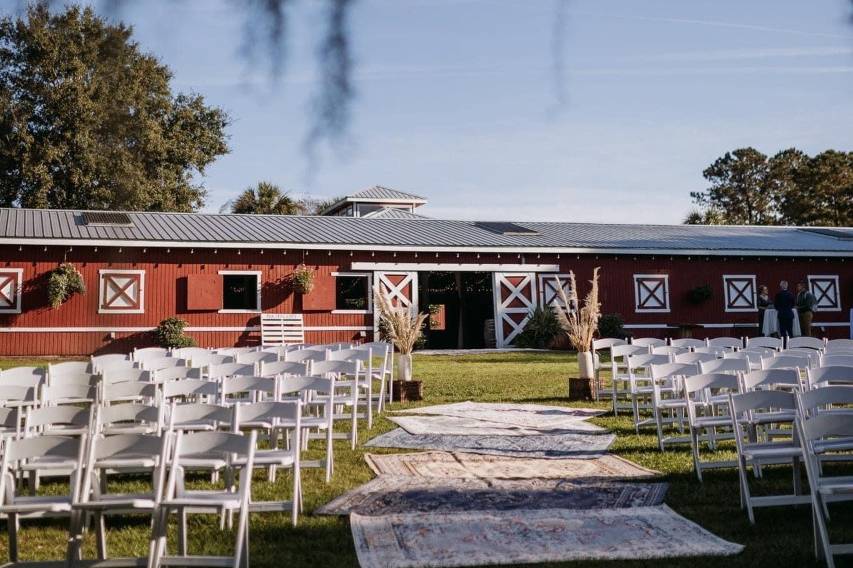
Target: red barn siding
165, 292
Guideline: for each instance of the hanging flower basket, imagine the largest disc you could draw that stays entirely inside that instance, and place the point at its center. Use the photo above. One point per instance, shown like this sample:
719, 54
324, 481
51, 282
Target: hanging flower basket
303, 279
64, 282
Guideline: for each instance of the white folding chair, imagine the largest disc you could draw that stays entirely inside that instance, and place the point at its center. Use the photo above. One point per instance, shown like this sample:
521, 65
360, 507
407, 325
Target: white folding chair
640, 384
115, 376
785, 362
24, 377
234, 351
771, 379
839, 346
670, 350
17, 507
728, 366
141, 355
130, 418
74, 369
190, 353
348, 375
749, 413
837, 359
158, 363
283, 368
139, 391
695, 357
707, 398
599, 345
245, 389
225, 446
835, 375
190, 390
620, 382
230, 370
365, 357
773, 343
805, 342
383, 351
204, 360
669, 404
199, 417
810, 354
819, 434
689, 342
110, 360
256, 357
168, 374
648, 341
727, 343
318, 398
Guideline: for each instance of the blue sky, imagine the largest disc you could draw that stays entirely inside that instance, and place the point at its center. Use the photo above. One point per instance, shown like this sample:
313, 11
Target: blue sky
457, 100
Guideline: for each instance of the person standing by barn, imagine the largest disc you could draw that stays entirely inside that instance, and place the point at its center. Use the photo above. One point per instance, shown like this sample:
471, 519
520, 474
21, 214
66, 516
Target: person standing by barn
784, 303
806, 303
763, 304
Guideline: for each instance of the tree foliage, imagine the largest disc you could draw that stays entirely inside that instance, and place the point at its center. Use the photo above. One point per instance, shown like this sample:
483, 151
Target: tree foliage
266, 198
790, 188
87, 120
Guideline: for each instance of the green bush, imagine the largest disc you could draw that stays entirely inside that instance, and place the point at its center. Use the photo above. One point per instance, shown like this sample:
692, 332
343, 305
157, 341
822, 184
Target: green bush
170, 334
540, 331
64, 282
612, 325
699, 294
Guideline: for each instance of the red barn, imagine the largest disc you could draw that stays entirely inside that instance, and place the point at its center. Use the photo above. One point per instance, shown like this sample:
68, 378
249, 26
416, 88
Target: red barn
480, 279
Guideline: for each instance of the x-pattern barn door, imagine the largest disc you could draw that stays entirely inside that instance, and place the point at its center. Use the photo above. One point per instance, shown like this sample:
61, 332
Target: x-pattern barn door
401, 289
515, 298
121, 291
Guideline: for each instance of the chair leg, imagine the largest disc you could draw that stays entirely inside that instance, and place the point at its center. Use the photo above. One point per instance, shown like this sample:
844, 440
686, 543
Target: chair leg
182, 531
101, 530
826, 547
241, 546
12, 524
659, 426
694, 442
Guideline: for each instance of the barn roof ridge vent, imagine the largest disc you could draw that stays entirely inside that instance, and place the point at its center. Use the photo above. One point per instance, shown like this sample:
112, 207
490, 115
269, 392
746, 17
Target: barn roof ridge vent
106, 219
506, 228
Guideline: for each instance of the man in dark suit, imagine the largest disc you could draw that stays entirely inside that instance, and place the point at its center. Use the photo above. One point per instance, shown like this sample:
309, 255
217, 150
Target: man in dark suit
784, 303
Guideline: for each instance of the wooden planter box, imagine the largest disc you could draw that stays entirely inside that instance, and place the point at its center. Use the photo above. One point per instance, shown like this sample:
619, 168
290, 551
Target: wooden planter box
408, 391
581, 389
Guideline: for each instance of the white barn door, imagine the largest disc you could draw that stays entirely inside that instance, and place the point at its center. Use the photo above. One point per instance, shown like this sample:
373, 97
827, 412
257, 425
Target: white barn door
401, 288
515, 298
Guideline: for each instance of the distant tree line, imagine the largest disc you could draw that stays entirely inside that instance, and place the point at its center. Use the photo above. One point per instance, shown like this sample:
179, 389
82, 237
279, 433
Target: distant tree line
790, 188
266, 198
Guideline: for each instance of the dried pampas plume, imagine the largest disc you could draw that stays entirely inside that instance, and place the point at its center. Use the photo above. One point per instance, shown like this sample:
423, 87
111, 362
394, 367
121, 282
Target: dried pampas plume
579, 322
403, 325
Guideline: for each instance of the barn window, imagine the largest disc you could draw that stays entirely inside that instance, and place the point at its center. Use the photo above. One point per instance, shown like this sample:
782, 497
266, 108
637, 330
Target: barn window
549, 286
241, 291
651, 293
121, 291
740, 293
10, 290
825, 290
353, 292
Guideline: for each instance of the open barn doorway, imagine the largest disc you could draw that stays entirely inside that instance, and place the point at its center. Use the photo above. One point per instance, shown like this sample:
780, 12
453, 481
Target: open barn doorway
460, 305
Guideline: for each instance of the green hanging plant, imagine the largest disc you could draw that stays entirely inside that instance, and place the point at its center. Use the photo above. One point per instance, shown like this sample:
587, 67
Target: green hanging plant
64, 282
170, 334
303, 279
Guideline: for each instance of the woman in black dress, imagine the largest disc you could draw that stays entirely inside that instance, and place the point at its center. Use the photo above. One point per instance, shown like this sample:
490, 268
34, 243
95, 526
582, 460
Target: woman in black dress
764, 302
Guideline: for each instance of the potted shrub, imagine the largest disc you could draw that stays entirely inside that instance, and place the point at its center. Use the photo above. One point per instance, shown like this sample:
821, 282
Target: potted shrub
303, 279
64, 282
540, 331
403, 327
170, 334
580, 323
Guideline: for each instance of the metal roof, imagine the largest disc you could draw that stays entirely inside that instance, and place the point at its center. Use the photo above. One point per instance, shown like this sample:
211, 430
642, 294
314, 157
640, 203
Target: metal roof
392, 213
382, 192
45, 226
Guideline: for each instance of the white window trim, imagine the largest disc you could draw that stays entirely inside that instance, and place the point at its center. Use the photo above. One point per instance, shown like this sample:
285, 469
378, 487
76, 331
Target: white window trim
139, 310
16, 309
369, 276
259, 275
637, 308
543, 278
726, 278
837, 290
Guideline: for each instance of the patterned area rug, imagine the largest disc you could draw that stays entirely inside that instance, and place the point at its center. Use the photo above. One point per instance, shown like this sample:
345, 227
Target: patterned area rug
449, 465
549, 446
533, 416
457, 426
388, 494
522, 536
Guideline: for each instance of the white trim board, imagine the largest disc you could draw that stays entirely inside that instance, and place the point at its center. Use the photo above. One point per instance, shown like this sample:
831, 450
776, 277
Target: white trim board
16, 241
453, 267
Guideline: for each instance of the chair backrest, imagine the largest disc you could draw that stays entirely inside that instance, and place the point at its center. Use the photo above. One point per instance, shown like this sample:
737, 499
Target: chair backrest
230, 370
135, 391
243, 384
157, 363
785, 362
308, 354
125, 375
810, 354
716, 351
114, 365
66, 415
771, 379
713, 382
844, 345
825, 398
24, 376
363, 355
805, 342
350, 368
645, 361
607, 343
254, 357
288, 412
61, 447
687, 342
190, 352
182, 415
837, 359
294, 384
130, 412
283, 368
726, 342
74, 368
762, 400
140, 355
99, 362
621, 351
825, 426
767, 342
829, 375
72, 378
674, 370
234, 351
173, 373
10, 419
695, 357
669, 350
210, 358
18, 393
729, 366
648, 341
64, 394
189, 388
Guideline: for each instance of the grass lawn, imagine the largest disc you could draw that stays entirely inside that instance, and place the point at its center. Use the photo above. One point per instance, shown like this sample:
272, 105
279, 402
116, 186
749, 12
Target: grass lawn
781, 537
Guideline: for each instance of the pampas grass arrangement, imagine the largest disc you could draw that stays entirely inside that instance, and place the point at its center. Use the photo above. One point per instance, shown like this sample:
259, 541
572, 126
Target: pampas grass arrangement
403, 326
580, 322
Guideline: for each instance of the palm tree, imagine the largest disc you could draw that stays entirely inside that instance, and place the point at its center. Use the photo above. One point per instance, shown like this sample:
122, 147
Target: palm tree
265, 198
